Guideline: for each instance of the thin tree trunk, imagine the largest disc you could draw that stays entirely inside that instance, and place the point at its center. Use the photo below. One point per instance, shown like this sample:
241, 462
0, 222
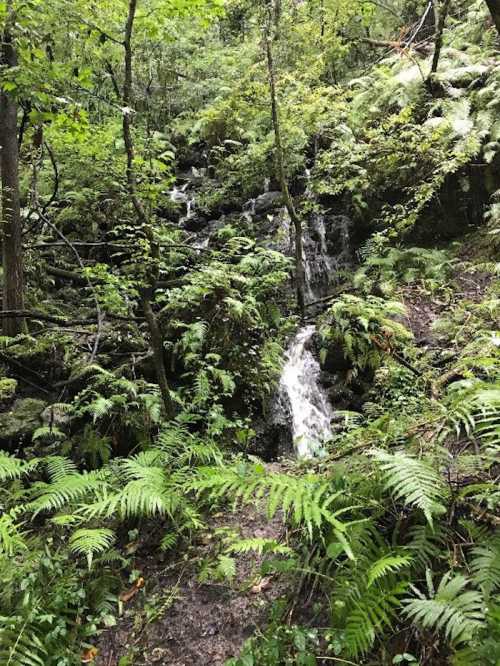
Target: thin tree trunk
147, 293
494, 7
12, 259
280, 167
438, 43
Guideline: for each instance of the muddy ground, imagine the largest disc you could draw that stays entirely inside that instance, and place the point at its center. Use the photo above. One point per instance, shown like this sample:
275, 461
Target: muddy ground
177, 620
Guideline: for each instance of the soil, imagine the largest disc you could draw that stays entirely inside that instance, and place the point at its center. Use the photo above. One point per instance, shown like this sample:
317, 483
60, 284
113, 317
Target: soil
424, 309
177, 620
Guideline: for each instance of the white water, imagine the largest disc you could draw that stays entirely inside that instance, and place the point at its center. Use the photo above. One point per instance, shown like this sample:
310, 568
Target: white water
310, 409
181, 195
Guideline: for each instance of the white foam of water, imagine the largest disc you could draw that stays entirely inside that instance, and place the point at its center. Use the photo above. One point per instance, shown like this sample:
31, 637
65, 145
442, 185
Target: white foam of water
309, 405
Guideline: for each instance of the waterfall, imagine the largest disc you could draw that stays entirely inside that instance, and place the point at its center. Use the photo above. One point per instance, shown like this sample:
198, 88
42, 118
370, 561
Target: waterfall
300, 387
183, 196
327, 252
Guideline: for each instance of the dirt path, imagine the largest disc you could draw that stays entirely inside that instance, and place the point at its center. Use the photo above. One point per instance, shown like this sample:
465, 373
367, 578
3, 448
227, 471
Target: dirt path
177, 620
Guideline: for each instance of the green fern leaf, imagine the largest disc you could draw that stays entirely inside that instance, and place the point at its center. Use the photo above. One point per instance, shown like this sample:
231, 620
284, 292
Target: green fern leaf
89, 542
413, 481
458, 614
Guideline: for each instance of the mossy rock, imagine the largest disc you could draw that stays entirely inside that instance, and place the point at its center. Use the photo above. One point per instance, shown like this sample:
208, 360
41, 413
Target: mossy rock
18, 424
8, 388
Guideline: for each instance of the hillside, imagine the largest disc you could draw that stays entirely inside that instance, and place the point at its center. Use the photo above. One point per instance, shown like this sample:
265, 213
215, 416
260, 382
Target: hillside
249, 367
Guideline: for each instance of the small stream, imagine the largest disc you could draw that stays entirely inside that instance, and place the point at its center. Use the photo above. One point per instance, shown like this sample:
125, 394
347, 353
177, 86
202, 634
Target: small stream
302, 403
300, 386
310, 409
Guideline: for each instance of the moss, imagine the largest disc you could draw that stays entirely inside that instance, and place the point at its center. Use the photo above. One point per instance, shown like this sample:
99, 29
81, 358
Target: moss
22, 420
8, 388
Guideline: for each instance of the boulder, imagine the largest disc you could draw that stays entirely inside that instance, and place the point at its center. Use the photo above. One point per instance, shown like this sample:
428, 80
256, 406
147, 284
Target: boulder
267, 201
19, 423
55, 415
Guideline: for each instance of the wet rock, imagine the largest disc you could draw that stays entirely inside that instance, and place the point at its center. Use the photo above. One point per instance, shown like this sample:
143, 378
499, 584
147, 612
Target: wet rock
55, 415
273, 432
333, 360
267, 201
193, 223
18, 424
271, 441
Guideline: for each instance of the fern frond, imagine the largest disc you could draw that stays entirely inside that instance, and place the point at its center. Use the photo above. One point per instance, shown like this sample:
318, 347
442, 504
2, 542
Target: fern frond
11, 539
20, 643
58, 467
457, 613
372, 612
387, 564
14, 468
226, 567
413, 481
306, 498
53, 496
259, 545
90, 542
485, 565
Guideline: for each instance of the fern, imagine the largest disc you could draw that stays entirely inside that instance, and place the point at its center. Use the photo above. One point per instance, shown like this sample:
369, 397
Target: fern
226, 567
413, 481
59, 467
475, 407
258, 545
11, 539
67, 489
485, 565
457, 613
307, 499
373, 611
388, 564
426, 544
89, 542
14, 468
48, 432
20, 644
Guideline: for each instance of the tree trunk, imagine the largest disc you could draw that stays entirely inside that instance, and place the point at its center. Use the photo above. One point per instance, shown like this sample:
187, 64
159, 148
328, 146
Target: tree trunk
494, 7
281, 176
12, 260
438, 43
147, 293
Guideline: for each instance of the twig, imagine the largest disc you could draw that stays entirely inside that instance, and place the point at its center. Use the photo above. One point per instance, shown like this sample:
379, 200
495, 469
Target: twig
395, 355
341, 661
99, 313
67, 275
55, 190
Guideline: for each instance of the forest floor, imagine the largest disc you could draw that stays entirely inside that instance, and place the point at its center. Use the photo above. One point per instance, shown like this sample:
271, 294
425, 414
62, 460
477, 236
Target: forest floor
178, 620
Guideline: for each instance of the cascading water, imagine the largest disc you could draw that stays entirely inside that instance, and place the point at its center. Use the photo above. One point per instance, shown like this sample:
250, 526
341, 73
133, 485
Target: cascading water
301, 389
327, 253
183, 196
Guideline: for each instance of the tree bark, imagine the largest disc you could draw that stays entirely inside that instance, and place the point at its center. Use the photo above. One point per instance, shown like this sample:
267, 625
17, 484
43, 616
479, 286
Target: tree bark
443, 13
280, 168
12, 259
494, 7
147, 293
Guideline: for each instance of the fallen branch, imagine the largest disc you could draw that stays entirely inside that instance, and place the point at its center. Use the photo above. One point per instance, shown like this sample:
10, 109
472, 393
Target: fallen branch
386, 348
99, 313
338, 290
382, 43
62, 321
67, 275
21, 368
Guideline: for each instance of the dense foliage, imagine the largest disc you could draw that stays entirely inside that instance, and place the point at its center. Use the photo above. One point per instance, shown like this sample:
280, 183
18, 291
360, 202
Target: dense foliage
148, 301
